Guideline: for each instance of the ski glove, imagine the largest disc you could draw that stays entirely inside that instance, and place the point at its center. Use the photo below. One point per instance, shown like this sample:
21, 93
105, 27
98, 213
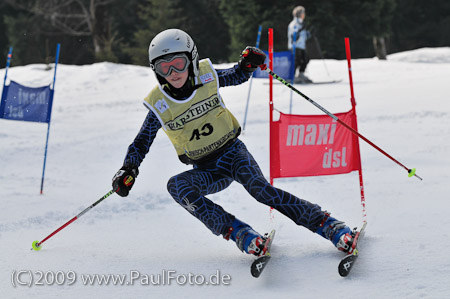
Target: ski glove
123, 180
251, 59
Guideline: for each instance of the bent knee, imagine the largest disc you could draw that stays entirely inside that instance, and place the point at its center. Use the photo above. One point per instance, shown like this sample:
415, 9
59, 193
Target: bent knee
178, 186
170, 183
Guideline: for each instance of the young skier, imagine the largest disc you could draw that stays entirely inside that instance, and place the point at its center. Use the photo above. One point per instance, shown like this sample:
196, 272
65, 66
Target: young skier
187, 105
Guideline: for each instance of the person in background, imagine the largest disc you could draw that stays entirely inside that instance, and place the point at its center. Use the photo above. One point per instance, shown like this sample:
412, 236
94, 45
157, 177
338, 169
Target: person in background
297, 37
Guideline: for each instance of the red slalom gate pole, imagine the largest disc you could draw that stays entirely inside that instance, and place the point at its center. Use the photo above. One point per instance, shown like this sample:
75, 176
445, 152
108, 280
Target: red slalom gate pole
353, 101
411, 171
37, 245
347, 51
271, 99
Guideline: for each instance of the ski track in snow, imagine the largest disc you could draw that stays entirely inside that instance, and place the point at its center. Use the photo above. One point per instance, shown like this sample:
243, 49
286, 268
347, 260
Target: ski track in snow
402, 106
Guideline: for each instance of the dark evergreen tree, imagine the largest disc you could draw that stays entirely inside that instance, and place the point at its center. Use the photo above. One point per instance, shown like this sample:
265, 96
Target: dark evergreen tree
419, 24
221, 29
82, 18
199, 18
4, 41
124, 24
34, 42
25, 38
243, 19
332, 21
358, 20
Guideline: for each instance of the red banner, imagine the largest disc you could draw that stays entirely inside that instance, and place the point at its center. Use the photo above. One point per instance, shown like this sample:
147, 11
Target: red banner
311, 145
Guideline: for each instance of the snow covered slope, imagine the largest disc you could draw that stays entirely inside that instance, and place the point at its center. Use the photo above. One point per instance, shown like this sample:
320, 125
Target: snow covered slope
403, 106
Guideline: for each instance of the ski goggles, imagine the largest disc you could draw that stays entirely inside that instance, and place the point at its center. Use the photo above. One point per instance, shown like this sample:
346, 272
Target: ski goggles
164, 66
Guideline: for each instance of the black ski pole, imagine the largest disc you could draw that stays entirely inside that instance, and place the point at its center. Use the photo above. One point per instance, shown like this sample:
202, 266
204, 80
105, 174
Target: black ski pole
37, 245
316, 41
411, 171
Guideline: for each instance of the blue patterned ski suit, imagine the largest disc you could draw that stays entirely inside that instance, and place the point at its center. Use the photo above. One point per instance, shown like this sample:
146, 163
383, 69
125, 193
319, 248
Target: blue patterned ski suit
234, 163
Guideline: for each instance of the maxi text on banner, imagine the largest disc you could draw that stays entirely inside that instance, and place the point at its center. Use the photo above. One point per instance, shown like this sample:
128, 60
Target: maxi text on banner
312, 145
26, 103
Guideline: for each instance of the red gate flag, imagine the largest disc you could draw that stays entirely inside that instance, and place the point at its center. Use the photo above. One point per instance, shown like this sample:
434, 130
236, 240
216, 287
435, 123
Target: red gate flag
312, 145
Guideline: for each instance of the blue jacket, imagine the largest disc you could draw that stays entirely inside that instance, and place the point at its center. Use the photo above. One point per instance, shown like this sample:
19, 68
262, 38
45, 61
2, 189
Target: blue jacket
297, 26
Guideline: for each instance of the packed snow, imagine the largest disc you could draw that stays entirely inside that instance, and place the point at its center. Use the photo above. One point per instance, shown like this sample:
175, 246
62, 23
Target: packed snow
402, 106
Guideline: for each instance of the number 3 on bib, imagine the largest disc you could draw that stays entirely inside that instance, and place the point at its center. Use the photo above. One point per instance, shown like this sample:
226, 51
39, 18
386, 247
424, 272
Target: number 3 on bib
206, 130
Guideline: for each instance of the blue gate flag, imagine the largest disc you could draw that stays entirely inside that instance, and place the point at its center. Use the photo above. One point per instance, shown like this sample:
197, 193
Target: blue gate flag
26, 103
283, 64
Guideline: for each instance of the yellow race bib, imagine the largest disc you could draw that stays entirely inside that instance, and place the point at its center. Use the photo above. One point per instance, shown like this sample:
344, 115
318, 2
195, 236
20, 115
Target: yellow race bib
200, 124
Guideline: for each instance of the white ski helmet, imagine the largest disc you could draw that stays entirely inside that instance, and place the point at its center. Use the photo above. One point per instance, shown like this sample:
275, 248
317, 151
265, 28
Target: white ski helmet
173, 41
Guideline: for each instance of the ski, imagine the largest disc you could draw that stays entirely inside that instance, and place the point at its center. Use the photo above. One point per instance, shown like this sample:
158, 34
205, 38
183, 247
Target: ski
260, 263
320, 82
346, 264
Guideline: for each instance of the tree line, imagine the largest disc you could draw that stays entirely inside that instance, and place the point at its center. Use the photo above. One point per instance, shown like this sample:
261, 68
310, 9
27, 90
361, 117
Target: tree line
120, 30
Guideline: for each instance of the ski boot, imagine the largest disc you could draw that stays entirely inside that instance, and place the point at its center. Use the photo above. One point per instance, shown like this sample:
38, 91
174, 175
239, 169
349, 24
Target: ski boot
338, 233
302, 79
247, 240
251, 242
346, 243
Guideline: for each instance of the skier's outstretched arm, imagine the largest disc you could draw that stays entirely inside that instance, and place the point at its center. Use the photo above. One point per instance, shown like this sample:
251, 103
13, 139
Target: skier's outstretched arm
124, 179
249, 61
